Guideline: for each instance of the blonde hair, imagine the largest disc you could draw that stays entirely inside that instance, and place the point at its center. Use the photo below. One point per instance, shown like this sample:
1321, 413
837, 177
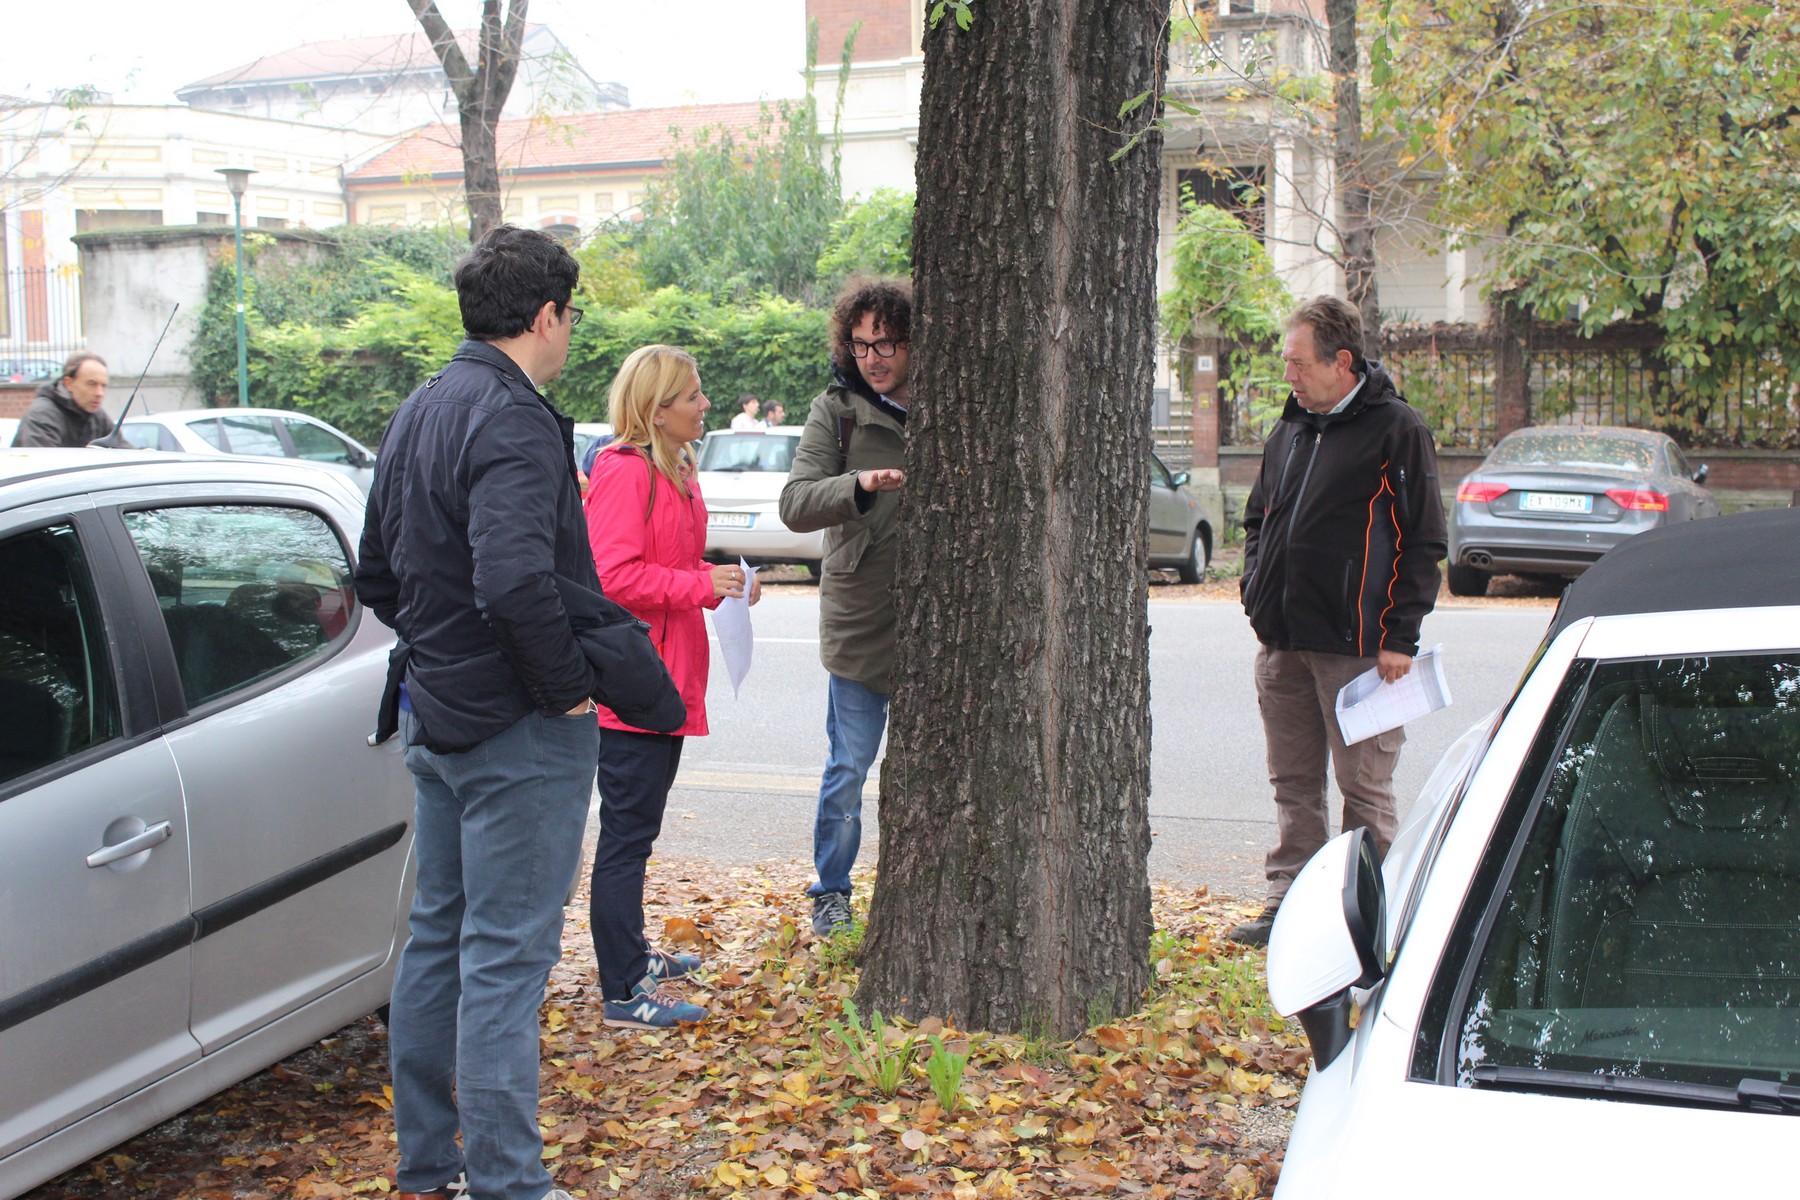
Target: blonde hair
650, 379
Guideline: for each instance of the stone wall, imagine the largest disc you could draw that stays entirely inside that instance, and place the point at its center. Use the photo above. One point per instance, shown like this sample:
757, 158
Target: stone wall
131, 281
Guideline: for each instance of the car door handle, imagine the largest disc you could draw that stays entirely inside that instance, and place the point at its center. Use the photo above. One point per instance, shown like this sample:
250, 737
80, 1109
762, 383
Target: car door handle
154, 836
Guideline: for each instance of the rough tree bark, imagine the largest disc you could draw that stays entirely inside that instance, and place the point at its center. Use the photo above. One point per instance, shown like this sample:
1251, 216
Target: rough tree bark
1013, 891
1356, 230
481, 94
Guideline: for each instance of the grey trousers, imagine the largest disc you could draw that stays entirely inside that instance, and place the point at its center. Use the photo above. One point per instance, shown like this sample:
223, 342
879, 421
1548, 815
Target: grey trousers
1296, 691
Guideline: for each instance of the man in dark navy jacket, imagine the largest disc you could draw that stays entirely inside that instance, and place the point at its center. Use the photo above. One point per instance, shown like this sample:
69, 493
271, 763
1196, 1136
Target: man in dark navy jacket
474, 511
1343, 531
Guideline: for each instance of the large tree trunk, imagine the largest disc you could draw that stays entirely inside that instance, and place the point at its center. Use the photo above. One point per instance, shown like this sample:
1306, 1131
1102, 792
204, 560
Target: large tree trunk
481, 93
1356, 230
1013, 891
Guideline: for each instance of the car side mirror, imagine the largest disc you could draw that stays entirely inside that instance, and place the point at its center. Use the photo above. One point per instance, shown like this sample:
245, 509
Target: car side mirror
1329, 937
1701, 472
360, 457
1181, 479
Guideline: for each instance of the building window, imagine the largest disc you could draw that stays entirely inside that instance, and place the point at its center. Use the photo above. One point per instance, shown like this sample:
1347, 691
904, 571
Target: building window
271, 223
89, 219
207, 218
603, 204
1238, 190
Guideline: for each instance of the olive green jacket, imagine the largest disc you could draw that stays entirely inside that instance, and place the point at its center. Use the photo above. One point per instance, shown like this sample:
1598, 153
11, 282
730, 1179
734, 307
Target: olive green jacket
856, 601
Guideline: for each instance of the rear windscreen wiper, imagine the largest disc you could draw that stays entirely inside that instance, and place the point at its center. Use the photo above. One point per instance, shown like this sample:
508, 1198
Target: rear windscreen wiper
1751, 1093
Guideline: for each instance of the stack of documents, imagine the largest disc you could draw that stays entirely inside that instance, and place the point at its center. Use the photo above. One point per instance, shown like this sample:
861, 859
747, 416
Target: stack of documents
1366, 706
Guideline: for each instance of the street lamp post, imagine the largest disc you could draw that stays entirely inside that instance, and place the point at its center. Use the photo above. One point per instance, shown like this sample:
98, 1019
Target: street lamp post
238, 179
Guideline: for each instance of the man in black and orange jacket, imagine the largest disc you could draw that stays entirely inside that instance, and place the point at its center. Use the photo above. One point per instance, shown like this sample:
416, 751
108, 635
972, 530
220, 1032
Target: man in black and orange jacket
1344, 529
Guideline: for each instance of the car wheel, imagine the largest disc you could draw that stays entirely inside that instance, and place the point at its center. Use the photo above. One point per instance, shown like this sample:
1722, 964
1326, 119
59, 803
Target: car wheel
1193, 567
1468, 581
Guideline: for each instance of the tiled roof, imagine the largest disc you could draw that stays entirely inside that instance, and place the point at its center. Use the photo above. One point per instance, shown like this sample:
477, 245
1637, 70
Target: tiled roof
382, 55
585, 140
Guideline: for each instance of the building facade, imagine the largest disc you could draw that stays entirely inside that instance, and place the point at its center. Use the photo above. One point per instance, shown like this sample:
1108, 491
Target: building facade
394, 83
567, 174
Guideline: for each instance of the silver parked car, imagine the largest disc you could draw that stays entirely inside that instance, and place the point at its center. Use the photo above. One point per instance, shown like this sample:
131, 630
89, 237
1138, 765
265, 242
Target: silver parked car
1552, 499
256, 433
203, 864
1181, 533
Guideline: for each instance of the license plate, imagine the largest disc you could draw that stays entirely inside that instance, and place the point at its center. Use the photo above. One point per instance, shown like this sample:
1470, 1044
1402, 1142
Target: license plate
1558, 502
730, 520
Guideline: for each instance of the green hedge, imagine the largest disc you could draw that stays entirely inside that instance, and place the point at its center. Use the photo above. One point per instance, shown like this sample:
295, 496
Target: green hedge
347, 337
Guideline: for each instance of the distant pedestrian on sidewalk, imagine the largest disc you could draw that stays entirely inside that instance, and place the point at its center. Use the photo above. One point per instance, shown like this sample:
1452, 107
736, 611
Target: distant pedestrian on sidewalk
473, 516
1343, 530
846, 479
66, 410
747, 419
646, 522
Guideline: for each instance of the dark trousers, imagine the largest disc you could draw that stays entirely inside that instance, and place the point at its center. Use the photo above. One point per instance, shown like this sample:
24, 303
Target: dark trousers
636, 772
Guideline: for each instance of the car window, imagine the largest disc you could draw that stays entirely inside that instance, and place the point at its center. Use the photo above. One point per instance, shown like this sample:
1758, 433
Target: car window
315, 444
252, 435
1159, 474
57, 695
1678, 463
244, 590
747, 452
149, 435
209, 429
1573, 448
1651, 925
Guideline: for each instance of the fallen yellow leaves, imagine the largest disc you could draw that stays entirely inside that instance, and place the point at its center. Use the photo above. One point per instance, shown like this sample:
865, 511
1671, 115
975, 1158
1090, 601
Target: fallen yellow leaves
765, 1102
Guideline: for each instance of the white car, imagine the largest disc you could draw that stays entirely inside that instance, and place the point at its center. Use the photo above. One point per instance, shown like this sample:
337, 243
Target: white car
257, 433
1578, 972
741, 477
204, 866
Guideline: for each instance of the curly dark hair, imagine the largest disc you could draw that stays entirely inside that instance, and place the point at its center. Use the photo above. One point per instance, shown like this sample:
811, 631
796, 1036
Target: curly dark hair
889, 298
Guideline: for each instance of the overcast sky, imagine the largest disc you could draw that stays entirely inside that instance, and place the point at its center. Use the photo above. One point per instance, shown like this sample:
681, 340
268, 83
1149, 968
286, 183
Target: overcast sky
664, 51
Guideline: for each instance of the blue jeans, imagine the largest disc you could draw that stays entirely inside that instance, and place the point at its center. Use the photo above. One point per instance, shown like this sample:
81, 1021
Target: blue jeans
636, 772
497, 839
855, 719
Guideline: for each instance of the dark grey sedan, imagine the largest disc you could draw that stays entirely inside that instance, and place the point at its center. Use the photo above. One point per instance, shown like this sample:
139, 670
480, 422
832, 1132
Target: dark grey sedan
1552, 499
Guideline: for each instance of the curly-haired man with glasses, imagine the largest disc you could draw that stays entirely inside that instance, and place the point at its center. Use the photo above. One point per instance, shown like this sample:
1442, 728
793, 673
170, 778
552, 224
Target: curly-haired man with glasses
846, 479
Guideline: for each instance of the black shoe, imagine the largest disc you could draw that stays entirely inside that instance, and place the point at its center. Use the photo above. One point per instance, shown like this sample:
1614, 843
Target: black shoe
830, 912
1254, 932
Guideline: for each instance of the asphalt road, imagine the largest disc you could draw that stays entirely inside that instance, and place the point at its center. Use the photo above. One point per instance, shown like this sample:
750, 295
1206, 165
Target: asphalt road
745, 793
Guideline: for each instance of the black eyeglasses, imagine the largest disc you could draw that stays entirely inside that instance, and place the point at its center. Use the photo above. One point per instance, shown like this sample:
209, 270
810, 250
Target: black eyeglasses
883, 349
576, 319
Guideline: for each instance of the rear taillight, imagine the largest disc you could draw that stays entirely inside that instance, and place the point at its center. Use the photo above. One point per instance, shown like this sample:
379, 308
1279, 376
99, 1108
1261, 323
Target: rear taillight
1638, 499
1480, 493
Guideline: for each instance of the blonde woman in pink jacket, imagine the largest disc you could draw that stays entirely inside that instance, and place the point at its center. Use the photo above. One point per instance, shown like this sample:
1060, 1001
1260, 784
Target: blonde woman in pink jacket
647, 523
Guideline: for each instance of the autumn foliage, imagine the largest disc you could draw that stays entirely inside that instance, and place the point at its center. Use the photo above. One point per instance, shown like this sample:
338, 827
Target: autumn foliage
1188, 1097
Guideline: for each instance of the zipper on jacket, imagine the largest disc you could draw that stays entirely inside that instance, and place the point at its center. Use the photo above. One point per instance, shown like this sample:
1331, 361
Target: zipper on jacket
1299, 496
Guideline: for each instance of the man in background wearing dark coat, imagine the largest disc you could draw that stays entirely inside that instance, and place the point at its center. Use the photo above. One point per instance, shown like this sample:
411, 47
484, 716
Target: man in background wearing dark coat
66, 411
1343, 532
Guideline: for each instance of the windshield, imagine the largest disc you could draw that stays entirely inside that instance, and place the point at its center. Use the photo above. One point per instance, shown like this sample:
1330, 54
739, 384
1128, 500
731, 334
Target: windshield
747, 452
1651, 926
1573, 448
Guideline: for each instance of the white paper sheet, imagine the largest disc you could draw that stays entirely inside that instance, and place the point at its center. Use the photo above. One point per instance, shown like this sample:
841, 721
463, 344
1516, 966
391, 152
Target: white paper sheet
1366, 706
731, 625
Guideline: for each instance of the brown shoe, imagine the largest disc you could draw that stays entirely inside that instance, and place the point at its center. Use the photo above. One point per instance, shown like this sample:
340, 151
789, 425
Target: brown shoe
1254, 932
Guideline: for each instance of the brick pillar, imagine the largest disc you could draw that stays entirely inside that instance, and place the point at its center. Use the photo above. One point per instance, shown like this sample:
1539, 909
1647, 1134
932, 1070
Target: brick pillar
1202, 386
1512, 379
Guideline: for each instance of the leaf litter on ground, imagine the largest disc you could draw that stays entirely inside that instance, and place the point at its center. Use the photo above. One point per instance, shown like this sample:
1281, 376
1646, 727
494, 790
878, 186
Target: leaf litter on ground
788, 1091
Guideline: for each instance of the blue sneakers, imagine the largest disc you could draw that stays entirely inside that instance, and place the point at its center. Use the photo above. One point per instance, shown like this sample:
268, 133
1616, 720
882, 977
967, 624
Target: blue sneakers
672, 966
652, 1006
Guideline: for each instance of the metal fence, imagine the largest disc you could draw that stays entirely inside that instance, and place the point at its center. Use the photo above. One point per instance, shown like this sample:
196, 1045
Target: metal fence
1452, 375
40, 321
